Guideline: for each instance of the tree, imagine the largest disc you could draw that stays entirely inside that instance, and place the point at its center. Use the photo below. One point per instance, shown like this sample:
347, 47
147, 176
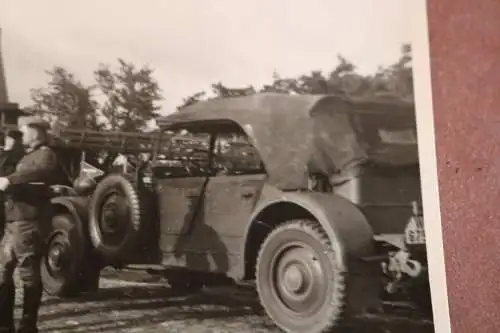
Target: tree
221, 91
281, 85
194, 98
400, 74
66, 100
131, 96
395, 80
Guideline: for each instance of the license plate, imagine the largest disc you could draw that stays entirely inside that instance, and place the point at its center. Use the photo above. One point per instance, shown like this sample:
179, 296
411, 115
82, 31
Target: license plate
415, 232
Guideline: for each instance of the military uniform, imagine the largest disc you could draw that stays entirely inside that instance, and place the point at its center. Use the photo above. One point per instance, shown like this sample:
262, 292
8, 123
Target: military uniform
10, 158
28, 197
8, 162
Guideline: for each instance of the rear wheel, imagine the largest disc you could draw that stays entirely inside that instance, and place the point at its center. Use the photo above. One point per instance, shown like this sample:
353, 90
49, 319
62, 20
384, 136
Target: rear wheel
62, 271
298, 280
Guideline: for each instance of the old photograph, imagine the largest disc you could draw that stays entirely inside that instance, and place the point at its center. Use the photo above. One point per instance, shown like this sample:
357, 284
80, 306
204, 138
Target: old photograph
180, 166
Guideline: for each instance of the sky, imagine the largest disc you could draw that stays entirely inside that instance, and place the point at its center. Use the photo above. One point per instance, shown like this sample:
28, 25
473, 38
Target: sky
191, 44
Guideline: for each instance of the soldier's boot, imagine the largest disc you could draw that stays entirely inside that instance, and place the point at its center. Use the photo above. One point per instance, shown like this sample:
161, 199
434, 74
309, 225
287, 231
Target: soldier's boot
28, 248
7, 285
32, 300
7, 303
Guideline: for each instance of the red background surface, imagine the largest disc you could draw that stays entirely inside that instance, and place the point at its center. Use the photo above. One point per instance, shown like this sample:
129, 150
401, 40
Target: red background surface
465, 64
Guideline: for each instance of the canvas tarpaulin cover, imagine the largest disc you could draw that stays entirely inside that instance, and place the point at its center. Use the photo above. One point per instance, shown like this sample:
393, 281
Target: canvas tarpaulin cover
344, 138
299, 134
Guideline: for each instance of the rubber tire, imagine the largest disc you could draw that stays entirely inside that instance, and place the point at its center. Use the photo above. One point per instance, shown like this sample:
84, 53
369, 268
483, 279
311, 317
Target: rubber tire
68, 287
118, 253
332, 310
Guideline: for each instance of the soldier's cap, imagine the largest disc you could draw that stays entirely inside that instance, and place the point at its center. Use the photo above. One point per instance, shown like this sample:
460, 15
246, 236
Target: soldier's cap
37, 122
14, 134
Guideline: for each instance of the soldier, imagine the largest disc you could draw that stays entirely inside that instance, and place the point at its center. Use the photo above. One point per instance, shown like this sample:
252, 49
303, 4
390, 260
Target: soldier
13, 151
28, 197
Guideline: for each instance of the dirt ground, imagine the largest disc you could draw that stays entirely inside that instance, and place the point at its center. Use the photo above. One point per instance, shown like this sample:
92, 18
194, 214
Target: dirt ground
127, 303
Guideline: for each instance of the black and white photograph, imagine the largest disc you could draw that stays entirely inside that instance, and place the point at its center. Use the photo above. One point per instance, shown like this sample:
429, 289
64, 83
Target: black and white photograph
225, 166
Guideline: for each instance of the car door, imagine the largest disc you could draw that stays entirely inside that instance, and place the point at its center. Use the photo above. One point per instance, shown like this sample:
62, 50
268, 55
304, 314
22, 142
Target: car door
234, 189
179, 178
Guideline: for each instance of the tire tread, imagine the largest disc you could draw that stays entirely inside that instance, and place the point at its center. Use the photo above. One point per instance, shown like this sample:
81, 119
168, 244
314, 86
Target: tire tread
337, 305
138, 210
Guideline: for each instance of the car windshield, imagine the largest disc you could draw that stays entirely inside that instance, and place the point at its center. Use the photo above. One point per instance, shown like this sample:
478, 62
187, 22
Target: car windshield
183, 154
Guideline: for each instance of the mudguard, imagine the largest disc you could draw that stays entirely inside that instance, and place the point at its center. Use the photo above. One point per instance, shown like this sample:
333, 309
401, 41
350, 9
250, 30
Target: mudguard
77, 207
350, 234
344, 223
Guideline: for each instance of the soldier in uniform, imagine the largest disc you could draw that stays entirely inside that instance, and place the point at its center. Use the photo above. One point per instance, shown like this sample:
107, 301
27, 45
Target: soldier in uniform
13, 151
27, 192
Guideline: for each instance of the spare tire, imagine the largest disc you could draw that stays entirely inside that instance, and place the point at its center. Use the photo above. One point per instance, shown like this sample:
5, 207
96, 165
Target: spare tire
115, 218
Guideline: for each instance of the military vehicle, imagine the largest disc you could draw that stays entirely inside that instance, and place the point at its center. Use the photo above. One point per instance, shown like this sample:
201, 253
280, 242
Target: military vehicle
315, 198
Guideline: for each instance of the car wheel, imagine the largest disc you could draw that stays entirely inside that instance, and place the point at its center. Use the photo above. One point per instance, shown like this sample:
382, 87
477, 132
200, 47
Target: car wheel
115, 217
60, 267
298, 280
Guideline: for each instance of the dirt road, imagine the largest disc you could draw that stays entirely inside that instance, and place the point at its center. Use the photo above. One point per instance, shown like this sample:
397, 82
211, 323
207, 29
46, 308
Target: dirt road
127, 305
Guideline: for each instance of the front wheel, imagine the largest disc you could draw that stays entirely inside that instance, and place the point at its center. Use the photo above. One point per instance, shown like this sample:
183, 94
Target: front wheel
61, 266
298, 278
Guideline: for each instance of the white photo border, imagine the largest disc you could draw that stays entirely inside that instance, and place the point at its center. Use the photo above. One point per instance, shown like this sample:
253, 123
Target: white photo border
428, 164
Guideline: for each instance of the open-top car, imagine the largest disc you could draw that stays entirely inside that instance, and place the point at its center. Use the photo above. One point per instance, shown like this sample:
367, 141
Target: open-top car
315, 198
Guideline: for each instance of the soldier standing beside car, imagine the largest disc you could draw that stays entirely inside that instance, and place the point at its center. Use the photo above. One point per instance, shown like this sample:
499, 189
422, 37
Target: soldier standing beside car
27, 199
12, 153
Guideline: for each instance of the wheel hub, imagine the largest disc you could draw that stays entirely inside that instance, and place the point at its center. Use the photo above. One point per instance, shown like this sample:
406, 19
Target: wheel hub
299, 279
114, 212
109, 216
56, 256
109, 220
293, 278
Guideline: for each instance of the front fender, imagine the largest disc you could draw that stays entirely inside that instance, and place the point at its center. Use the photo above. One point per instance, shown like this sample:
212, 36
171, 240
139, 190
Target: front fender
77, 207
